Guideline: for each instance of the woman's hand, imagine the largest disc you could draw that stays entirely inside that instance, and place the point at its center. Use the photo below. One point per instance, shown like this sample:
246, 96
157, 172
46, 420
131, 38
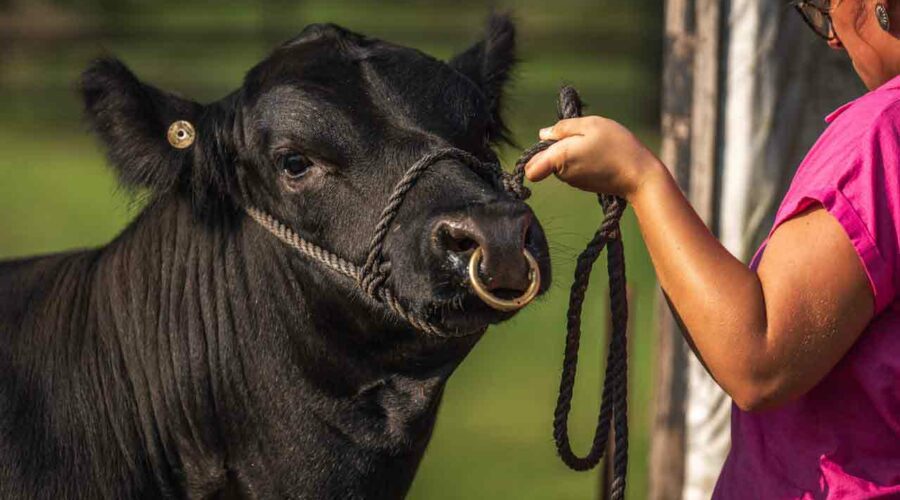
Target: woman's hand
594, 154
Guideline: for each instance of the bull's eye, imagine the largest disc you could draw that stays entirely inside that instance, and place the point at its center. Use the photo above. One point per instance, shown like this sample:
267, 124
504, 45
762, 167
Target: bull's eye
295, 165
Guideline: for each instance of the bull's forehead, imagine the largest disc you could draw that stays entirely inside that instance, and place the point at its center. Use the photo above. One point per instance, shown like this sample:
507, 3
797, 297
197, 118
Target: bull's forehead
331, 92
423, 92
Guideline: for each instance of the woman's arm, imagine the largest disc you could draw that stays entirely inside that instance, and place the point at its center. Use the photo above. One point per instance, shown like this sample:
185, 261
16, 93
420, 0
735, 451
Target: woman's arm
765, 336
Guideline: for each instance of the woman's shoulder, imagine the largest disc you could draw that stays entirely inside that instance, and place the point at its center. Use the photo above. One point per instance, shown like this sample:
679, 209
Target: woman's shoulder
878, 109
853, 171
862, 134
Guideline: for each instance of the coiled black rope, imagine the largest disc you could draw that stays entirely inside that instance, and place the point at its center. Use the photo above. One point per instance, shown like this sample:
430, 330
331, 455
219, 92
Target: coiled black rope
614, 400
373, 277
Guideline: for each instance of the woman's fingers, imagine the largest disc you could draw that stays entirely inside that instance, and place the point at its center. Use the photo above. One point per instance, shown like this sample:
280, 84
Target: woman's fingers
565, 128
537, 169
593, 154
550, 161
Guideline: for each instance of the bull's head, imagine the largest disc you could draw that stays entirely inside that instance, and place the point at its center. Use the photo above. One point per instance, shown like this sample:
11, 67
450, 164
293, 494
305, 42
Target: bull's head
319, 134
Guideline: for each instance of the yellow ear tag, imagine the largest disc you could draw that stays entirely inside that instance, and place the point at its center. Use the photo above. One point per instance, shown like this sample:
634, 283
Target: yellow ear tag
181, 134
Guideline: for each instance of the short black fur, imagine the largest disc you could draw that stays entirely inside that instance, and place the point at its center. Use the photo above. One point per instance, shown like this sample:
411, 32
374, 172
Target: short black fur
196, 356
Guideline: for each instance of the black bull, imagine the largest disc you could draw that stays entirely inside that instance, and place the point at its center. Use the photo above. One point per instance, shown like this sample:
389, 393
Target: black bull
198, 356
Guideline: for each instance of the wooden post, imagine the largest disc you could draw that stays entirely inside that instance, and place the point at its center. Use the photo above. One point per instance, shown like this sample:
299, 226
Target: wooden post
667, 445
690, 128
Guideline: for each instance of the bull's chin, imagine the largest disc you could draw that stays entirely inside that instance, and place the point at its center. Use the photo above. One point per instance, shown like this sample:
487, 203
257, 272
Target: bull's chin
467, 315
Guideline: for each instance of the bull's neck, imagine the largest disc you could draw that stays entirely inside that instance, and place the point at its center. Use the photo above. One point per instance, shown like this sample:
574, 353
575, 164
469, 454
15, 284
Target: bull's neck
260, 345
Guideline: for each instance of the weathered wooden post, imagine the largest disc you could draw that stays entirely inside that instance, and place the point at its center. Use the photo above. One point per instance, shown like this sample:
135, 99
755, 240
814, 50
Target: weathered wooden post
689, 127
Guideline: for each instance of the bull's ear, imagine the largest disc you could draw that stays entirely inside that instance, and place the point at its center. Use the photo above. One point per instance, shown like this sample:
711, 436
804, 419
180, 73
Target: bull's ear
489, 64
132, 118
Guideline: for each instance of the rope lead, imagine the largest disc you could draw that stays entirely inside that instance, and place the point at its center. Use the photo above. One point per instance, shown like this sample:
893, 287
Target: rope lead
614, 399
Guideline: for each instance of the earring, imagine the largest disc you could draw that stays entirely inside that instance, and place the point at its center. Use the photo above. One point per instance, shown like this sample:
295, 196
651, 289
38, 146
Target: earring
884, 20
181, 134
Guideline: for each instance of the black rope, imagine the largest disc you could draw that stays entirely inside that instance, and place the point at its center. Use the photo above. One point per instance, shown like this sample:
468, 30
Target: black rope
614, 399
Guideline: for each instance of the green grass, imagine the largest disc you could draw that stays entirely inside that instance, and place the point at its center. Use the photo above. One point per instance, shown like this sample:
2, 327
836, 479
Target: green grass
493, 438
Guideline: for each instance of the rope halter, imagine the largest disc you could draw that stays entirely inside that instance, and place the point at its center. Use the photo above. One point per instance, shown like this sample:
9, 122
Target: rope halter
372, 276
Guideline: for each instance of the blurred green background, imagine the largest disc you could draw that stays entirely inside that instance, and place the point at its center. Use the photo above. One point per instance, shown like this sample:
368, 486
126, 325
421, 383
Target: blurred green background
493, 438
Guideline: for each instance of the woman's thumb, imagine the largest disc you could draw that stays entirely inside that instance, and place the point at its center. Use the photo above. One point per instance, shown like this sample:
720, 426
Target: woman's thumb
550, 161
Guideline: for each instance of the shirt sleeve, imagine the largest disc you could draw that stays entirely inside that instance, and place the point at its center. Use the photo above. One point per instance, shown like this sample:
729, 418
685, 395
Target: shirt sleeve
872, 193
855, 175
865, 199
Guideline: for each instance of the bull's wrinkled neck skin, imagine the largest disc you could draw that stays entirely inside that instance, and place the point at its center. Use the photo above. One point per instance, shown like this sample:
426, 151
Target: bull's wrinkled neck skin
239, 363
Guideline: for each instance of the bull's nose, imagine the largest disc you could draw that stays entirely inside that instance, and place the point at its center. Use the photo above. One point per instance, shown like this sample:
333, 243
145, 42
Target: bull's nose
501, 236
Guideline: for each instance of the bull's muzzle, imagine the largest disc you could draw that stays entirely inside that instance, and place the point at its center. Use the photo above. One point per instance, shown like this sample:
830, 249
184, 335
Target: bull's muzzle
534, 278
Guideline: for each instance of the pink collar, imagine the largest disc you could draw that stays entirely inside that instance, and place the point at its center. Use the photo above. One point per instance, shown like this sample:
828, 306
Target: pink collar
893, 83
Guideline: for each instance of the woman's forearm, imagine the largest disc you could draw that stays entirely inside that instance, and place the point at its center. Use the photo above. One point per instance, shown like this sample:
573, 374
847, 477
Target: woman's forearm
719, 299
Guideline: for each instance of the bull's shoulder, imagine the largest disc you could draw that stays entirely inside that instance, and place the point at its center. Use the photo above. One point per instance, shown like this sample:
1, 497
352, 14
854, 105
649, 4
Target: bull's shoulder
27, 283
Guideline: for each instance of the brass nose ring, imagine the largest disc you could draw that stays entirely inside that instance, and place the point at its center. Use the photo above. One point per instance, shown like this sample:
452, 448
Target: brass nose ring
534, 276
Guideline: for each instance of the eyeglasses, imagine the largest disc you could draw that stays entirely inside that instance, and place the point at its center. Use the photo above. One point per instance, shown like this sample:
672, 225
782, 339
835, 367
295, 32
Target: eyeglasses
816, 15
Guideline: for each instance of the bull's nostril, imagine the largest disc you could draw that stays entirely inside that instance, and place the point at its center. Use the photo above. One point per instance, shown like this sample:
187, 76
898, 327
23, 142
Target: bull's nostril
455, 238
461, 245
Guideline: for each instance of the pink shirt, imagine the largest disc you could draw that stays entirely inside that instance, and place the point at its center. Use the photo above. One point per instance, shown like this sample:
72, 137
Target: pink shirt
841, 439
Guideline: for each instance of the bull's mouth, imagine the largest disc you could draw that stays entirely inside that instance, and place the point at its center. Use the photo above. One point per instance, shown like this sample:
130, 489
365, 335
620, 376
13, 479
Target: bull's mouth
466, 314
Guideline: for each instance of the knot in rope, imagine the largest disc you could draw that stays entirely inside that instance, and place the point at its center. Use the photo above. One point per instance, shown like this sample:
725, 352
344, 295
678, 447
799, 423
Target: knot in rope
373, 277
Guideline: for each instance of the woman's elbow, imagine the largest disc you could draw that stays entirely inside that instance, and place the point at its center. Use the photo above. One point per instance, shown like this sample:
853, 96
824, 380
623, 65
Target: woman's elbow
761, 395
756, 401
765, 380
